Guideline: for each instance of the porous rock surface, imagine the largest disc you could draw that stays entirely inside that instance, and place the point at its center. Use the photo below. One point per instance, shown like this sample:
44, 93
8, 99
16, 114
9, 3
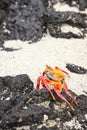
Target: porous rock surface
82, 4
76, 69
22, 107
29, 20
24, 20
55, 20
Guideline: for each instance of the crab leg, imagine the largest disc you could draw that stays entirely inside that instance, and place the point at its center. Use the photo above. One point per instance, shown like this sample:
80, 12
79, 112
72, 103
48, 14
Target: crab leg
69, 94
44, 83
44, 73
57, 68
62, 97
38, 82
47, 87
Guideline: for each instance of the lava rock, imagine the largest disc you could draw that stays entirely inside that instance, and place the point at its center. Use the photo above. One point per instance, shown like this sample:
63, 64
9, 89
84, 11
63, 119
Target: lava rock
5, 3
82, 100
44, 128
29, 20
53, 2
76, 69
13, 94
4, 9
71, 2
55, 20
22, 105
25, 20
82, 4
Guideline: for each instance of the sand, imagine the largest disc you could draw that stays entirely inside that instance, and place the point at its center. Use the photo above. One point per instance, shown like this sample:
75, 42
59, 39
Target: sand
31, 59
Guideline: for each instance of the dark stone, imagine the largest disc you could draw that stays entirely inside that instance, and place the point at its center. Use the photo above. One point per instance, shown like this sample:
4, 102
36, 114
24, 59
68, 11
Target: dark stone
5, 3
70, 2
55, 20
82, 100
25, 20
4, 9
76, 69
81, 118
13, 94
1, 43
29, 20
20, 105
45, 128
53, 2
82, 4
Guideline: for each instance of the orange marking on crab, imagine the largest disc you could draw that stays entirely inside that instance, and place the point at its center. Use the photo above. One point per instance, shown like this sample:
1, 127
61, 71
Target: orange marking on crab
55, 77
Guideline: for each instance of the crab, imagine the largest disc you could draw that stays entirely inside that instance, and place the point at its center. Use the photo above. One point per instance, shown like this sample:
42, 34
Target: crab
55, 77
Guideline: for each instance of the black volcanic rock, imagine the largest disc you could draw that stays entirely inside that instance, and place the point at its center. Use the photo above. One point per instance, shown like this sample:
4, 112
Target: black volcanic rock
4, 8
5, 3
21, 105
76, 69
29, 20
13, 91
22, 19
82, 4
55, 20
25, 20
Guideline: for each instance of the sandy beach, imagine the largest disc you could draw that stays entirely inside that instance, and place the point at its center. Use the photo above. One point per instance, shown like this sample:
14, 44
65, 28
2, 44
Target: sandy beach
31, 59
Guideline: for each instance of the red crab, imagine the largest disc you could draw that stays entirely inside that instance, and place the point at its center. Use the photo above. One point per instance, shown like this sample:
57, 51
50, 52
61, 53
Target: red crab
55, 77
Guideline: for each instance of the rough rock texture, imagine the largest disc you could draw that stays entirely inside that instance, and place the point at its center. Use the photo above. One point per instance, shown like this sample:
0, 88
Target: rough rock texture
25, 20
13, 92
82, 4
21, 107
76, 69
4, 10
55, 21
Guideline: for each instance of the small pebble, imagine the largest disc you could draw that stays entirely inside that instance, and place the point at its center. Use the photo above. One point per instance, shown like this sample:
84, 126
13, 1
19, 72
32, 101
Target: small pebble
63, 105
51, 123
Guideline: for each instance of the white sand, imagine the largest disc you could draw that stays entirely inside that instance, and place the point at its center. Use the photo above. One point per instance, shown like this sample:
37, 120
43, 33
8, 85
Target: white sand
31, 59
